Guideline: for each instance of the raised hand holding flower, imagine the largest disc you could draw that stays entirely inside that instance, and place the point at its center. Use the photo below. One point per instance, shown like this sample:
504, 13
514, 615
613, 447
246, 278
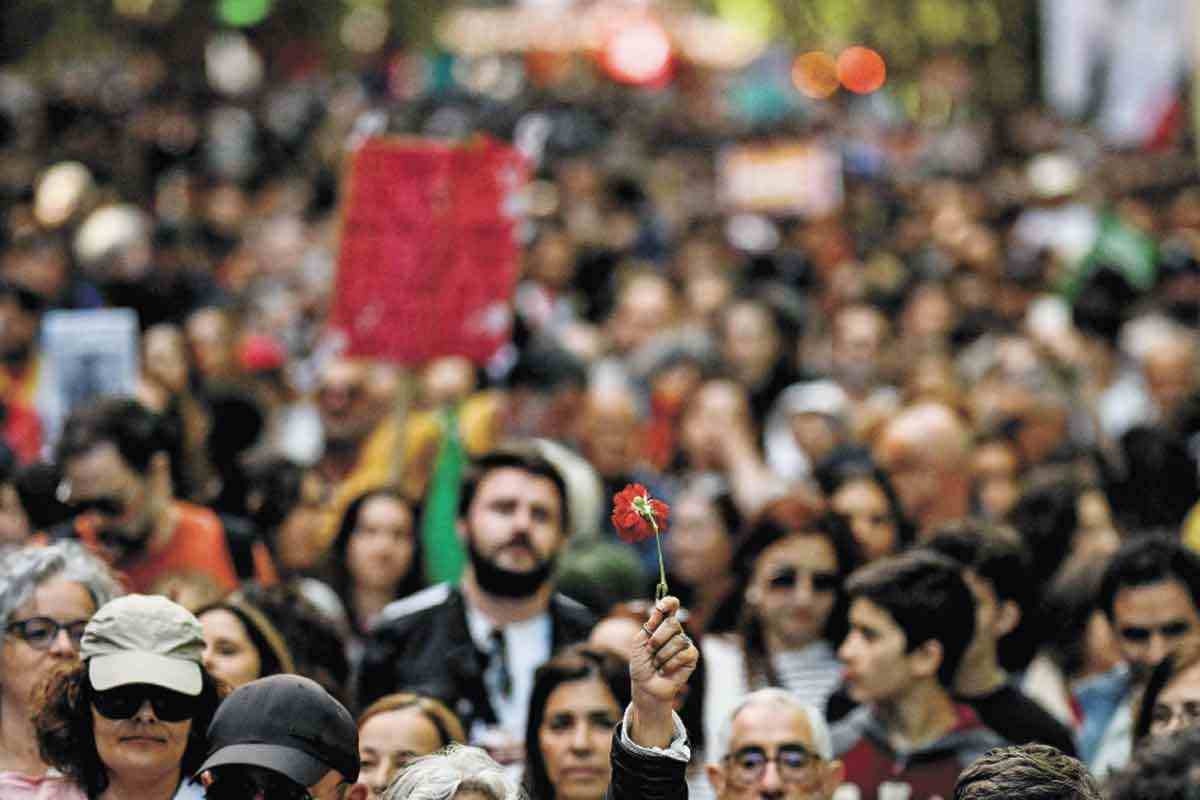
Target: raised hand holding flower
637, 516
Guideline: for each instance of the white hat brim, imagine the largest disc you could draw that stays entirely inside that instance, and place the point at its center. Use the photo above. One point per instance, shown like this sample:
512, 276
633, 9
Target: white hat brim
134, 666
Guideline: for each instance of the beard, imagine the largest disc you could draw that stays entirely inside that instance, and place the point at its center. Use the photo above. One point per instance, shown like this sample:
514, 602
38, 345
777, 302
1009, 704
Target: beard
126, 544
502, 582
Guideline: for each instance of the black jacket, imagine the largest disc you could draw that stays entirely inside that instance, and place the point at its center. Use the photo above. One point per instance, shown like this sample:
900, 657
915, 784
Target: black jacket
643, 777
426, 647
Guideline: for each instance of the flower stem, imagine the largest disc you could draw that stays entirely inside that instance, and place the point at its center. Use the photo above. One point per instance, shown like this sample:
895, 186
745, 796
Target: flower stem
661, 590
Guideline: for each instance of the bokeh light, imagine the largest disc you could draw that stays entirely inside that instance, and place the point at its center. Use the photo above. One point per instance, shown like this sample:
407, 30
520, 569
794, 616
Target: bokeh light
61, 190
815, 75
861, 69
638, 54
365, 29
243, 13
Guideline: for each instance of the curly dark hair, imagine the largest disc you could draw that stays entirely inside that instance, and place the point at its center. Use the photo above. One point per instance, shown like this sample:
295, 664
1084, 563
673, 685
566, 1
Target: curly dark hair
67, 741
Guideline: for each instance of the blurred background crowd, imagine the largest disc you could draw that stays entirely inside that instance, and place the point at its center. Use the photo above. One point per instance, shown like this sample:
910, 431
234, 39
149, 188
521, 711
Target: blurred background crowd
971, 300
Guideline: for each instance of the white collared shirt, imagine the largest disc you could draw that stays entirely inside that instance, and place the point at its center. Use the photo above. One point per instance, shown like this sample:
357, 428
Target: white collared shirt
528, 646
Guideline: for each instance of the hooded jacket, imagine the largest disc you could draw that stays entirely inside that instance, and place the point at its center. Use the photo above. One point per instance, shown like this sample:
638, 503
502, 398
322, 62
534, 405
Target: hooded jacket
927, 771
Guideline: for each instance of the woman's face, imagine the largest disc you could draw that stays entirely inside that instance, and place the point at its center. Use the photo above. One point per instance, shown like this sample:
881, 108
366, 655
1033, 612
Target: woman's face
575, 738
389, 740
142, 748
1178, 704
380, 551
166, 360
23, 665
863, 503
794, 588
228, 652
699, 547
297, 541
994, 476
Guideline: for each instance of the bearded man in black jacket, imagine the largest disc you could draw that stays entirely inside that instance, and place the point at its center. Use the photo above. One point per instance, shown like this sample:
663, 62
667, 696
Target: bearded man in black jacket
476, 646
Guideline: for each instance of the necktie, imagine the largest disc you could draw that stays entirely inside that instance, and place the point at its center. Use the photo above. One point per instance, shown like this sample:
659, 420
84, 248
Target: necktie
499, 663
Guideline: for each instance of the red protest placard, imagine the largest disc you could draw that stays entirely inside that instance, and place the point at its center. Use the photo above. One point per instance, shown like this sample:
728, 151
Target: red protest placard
429, 256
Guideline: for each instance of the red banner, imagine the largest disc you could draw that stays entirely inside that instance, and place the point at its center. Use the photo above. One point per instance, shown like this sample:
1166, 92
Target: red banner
429, 256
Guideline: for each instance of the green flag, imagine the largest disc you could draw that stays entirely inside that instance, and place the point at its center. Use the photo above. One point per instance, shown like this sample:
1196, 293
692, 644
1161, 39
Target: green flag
444, 554
1119, 247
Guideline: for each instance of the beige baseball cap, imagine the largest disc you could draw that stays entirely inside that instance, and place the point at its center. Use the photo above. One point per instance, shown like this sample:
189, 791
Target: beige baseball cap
142, 638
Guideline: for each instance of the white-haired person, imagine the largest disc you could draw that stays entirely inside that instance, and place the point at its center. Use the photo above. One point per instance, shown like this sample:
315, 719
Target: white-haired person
456, 772
649, 753
773, 745
47, 596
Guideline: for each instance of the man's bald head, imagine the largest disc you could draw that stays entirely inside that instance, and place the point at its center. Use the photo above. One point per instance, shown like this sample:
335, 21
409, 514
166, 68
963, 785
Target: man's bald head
609, 428
925, 450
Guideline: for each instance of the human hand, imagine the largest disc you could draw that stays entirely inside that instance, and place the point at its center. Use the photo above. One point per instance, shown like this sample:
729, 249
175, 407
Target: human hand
663, 659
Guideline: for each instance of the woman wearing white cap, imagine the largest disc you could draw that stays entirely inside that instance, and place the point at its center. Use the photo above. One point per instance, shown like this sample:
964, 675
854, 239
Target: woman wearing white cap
130, 721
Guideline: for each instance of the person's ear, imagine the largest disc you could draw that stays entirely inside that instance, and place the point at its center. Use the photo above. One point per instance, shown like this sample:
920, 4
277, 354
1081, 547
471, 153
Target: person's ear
1008, 617
835, 773
716, 778
926, 658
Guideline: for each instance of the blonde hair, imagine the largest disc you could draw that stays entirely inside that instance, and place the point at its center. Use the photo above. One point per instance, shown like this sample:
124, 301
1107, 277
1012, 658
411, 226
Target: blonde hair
445, 721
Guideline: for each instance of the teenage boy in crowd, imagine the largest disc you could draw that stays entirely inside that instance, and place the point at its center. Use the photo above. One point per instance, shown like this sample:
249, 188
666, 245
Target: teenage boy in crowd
995, 566
911, 620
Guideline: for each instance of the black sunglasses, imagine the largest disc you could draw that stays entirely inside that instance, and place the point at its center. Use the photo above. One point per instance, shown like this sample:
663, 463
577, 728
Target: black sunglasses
1172, 630
124, 701
105, 506
821, 581
40, 632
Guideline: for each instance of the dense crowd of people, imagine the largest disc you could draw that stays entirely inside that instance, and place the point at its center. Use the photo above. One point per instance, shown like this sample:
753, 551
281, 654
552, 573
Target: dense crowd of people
931, 461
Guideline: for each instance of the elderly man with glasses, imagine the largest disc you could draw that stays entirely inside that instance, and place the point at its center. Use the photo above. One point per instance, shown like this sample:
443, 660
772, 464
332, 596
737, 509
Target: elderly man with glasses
774, 746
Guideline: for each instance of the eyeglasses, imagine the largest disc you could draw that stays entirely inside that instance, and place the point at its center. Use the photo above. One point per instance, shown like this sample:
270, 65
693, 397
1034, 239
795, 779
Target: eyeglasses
788, 577
104, 506
253, 783
1166, 717
124, 701
794, 762
40, 632
1172, 630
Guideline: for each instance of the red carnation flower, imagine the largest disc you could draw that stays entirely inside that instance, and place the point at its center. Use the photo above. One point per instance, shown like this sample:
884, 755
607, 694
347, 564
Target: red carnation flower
637, 516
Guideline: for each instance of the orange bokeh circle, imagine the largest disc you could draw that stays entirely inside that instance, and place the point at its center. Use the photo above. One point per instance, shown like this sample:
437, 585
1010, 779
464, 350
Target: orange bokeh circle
815, 75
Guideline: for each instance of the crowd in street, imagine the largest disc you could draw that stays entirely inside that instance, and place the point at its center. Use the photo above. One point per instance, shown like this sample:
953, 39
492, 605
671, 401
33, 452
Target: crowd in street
932, 463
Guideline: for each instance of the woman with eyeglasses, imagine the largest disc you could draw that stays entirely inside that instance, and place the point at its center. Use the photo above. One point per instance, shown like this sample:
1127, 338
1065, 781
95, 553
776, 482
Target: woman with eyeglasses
130, 721
397, 728
47, 595
795, 560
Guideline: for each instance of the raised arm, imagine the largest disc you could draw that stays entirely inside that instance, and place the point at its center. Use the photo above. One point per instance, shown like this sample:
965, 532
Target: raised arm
662, 661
